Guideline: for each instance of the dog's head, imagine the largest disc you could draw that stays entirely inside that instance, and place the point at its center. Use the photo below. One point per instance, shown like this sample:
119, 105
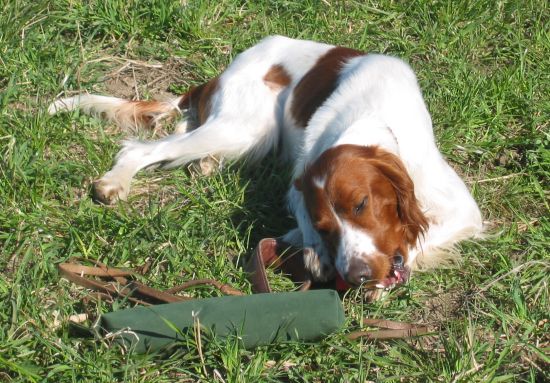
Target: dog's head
361, 201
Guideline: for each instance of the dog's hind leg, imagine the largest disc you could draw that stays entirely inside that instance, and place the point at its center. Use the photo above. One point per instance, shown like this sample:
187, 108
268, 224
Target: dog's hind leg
232, 116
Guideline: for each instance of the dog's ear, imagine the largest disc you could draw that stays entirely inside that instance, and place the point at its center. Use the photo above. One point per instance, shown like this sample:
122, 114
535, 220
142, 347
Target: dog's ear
413, 219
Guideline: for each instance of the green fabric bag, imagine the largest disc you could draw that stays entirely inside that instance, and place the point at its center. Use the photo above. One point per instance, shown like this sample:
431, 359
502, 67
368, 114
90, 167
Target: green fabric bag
258, 319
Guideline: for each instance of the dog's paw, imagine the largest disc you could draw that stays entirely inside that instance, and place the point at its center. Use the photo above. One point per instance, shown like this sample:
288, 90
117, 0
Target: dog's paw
107, 192
207, 166
372, 295
318, 264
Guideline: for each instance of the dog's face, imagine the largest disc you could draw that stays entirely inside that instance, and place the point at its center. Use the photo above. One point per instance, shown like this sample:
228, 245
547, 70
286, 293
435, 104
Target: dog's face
361, 202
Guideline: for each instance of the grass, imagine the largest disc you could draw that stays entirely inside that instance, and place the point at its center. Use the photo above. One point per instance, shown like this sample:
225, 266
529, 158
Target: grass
483, 66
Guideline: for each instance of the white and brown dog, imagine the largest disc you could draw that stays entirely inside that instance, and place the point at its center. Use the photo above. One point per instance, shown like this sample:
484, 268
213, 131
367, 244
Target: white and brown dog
371, 193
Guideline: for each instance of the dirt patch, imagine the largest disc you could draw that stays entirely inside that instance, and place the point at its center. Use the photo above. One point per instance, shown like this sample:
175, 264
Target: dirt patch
443, 307
137, 80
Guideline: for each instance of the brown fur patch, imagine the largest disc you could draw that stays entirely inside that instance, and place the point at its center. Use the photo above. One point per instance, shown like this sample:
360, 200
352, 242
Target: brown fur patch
144, 112
277, 78
319, 83
134, 115
198, 100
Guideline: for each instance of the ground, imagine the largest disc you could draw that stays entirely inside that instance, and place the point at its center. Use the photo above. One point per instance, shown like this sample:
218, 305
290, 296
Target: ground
484, 70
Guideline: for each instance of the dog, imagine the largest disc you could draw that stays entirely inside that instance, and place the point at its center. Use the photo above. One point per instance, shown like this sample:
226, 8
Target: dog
372, 196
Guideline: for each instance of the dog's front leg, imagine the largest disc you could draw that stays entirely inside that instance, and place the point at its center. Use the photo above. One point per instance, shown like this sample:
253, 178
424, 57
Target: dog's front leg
316, 257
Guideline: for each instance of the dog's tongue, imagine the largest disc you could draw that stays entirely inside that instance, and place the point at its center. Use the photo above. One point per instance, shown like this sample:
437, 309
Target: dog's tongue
341, 284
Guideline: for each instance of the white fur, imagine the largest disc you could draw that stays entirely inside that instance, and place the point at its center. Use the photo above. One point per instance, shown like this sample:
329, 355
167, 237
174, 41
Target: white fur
377, 102
354, 243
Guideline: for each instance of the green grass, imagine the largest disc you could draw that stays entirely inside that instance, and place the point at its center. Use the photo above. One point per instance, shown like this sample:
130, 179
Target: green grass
484, 70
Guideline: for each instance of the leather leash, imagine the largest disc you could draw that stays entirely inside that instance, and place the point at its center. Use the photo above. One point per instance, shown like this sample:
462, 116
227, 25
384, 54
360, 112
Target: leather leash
390, 330
109, 282
134, 291
280, 256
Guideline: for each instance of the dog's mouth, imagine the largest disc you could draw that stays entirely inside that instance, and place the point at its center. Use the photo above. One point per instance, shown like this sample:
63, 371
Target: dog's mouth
399, 274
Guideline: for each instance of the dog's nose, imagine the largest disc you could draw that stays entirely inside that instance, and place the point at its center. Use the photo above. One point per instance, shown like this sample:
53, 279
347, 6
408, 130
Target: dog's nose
398, 260
358, 274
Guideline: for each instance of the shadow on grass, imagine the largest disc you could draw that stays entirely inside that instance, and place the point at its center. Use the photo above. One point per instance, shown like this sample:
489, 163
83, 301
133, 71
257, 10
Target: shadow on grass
265, 204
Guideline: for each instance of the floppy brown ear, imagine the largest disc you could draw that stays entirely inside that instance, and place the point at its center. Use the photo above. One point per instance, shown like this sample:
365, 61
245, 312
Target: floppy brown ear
408, 208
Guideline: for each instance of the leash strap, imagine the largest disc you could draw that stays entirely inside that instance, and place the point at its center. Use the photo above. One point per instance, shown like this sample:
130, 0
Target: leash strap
110, 282
388, 330
278, 255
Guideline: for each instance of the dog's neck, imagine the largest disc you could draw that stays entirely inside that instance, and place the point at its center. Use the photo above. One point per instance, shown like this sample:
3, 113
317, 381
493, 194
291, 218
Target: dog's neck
379, 135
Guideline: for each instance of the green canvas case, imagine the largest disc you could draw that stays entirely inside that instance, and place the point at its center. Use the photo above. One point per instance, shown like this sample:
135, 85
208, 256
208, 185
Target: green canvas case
258, 319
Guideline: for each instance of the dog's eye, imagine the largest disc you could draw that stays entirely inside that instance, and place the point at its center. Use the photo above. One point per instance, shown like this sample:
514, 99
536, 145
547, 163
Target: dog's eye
359, 207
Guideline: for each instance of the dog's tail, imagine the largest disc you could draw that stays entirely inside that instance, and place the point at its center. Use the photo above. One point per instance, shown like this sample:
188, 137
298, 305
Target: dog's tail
127, 114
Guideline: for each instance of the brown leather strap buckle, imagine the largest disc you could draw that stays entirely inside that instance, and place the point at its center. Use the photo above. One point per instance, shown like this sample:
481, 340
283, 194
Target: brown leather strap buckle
276, 254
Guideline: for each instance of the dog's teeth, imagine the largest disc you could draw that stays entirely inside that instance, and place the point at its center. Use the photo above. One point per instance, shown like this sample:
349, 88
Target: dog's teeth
380, 286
